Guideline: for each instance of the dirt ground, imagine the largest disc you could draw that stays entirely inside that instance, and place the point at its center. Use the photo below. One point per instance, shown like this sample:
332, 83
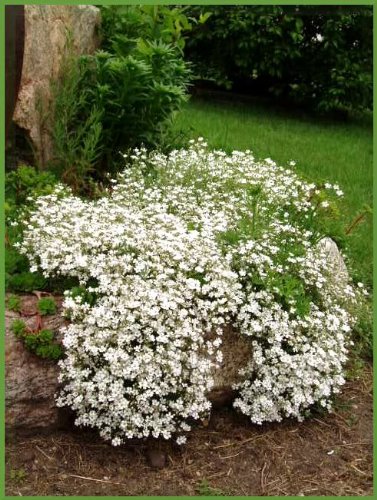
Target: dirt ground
325, 455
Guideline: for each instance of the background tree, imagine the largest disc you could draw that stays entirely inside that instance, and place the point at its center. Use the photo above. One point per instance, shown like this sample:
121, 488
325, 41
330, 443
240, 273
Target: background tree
318, 57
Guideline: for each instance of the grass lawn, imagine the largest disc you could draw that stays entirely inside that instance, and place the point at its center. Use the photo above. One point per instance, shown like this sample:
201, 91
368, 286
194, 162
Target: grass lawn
325, 150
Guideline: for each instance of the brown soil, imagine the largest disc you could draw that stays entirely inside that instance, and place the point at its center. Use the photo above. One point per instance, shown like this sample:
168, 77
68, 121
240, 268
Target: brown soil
325, 455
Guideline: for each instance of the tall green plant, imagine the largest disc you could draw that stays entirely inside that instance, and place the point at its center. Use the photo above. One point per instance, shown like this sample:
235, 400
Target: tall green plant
170, 24
118, 98
136, 91
77, 125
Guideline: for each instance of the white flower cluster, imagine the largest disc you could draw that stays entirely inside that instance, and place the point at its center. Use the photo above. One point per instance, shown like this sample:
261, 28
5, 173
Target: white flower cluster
181, 245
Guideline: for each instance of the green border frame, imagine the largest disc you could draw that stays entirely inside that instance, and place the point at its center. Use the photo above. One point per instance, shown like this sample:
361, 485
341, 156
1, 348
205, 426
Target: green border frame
2, 173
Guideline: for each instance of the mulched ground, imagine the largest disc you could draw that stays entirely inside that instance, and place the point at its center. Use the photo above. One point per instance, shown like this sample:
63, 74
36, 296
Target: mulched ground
326, 455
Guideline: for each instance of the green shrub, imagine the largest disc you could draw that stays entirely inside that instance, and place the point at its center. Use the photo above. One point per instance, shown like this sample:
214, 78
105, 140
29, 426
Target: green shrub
14, 261
18, 277
42, 345
316, 56
53, 351
24, 183
76, 127
137, 93
25, 282
46, 306
22, 187
128, 23
120, 97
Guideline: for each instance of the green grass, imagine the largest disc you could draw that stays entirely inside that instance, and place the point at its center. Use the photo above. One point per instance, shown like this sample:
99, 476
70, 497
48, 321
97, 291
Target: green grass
325, 150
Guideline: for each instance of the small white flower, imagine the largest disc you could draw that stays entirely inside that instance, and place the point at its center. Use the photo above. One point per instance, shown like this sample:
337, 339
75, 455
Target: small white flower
181, 440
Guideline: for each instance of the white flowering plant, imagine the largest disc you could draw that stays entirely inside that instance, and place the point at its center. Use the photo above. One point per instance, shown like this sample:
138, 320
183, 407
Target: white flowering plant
178, 247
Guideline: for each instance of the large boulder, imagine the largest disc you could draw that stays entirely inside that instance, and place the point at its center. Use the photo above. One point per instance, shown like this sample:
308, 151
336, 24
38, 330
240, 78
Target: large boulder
31, 382
46, 29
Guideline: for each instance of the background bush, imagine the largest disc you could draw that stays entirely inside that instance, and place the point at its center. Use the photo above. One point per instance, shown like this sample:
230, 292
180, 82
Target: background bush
316, 56
122, 96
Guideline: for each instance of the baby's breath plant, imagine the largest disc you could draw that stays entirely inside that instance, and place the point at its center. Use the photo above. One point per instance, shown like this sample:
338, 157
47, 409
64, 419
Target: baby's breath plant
181, 245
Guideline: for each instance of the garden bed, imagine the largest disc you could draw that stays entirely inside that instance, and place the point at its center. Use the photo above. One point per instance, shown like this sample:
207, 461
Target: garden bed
325, 455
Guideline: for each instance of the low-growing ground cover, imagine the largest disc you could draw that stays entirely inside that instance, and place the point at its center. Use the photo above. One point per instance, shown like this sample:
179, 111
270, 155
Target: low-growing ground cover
177, 247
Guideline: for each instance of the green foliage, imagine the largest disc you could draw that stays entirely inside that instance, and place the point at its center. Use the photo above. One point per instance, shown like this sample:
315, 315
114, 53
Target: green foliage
86, 297
40, 343
33, 341
51, 351
137, 93
18, 278
18, 327
58, 284
204, 489
289, 289
77, 126
127, 23
18, 475
22, 187
229, 237
316, 56
356, 365
14, 303
14, 262
46, 306
25, 282
25, 184
122, 96
363, 331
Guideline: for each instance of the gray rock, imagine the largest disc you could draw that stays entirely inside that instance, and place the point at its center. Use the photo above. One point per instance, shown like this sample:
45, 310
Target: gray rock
46, 28
30, 382
336, 265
